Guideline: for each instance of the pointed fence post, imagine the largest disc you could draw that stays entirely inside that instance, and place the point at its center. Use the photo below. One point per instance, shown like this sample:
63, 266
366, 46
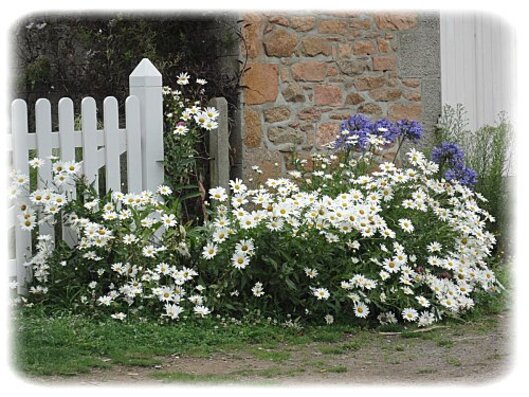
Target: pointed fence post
219, 147
145, 82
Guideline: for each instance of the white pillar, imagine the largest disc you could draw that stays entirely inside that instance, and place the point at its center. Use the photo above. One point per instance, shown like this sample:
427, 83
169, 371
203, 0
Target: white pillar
145, 82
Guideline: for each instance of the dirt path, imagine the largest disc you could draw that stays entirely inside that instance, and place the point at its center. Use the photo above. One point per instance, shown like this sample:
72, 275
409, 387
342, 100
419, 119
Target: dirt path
451, 355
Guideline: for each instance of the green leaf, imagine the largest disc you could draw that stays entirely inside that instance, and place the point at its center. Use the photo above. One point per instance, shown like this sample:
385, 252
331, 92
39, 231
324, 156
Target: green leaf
190, 195
290, 284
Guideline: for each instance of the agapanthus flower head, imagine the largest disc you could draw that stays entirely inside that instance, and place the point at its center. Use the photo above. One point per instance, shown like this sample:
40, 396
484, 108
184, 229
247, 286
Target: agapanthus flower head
386, 129
354, 132
410, 129
359, 130
358, 122
464, 175
448, 153
451, 154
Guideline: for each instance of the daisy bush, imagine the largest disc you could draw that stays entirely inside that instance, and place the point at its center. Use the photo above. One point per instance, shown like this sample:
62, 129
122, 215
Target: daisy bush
331, 240
187, 120
346, 236
127, 255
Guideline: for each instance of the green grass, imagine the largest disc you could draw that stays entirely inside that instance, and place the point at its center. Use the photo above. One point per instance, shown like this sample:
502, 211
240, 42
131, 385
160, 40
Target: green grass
326, 334
320, 364
445, 343
67, 345
270, 372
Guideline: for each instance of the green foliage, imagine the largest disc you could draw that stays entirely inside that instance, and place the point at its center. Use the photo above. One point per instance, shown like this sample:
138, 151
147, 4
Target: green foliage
38, 71
186, 162
488, 152
78, 56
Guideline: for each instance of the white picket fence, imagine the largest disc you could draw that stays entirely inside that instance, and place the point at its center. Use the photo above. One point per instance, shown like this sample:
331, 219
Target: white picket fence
141, 139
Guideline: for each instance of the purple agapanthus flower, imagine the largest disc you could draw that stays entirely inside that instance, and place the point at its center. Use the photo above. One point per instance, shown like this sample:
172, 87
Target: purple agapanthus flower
464, 175
386, 129
356, 130
450, 154
410, 129
357, 125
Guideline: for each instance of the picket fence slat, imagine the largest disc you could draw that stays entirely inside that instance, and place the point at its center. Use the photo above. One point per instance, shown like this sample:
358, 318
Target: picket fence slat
89, 144
134, 158
112, 164
66, 129
44, 151
19, 131
67, 147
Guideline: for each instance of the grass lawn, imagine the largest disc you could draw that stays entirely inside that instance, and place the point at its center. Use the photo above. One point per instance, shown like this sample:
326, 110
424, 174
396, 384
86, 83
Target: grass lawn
71, 347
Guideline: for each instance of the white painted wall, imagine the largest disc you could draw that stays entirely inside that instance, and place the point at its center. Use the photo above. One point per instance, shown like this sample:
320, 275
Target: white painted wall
477, 65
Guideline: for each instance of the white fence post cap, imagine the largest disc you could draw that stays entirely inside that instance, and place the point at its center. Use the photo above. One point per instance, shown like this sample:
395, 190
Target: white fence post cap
145, 75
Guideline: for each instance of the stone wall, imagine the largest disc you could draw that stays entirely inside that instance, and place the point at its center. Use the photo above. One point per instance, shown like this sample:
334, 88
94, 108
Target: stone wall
306, 73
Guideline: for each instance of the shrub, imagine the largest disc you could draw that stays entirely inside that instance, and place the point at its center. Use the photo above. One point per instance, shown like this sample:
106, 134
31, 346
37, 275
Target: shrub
397, 244
129, 257
350, 237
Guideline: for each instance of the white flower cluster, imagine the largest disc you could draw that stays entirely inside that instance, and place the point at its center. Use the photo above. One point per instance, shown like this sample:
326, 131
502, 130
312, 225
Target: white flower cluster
134, 228
151, 278
188, 112
425, 281
41, 205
